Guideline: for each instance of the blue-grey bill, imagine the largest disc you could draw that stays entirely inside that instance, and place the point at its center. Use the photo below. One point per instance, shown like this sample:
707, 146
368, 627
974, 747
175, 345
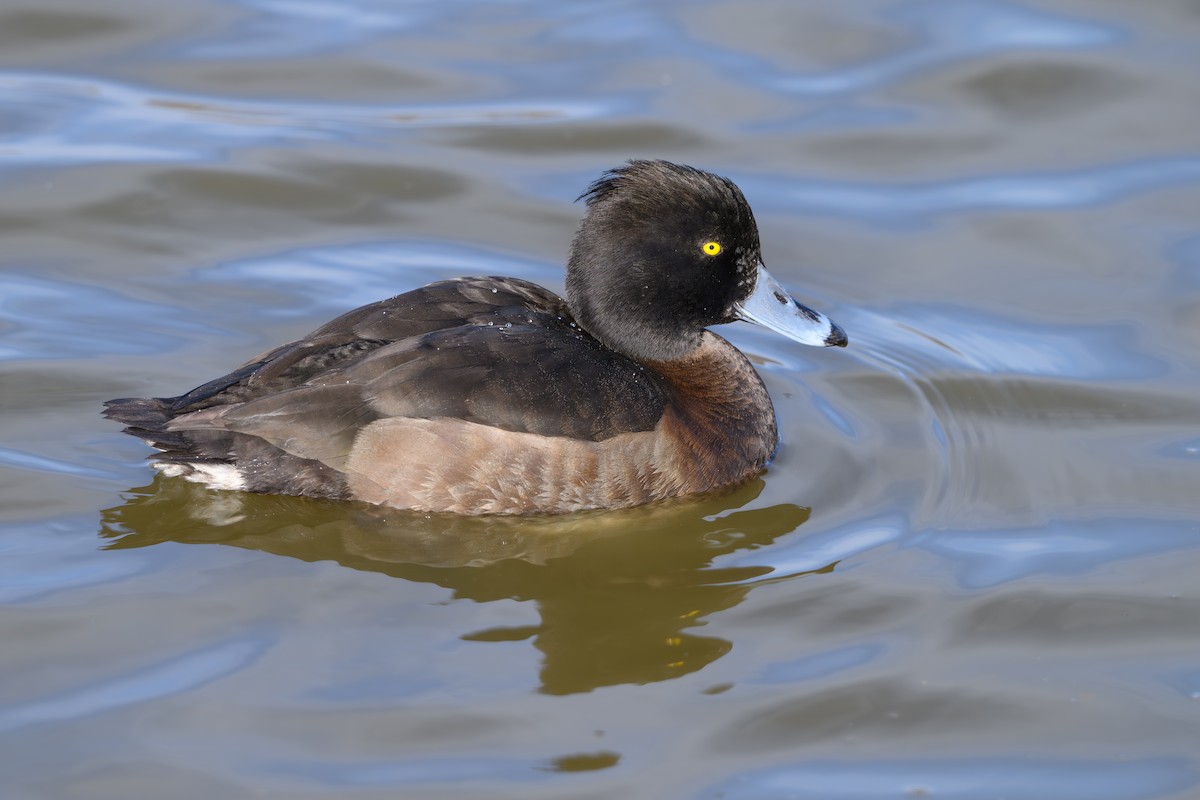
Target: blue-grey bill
772, 307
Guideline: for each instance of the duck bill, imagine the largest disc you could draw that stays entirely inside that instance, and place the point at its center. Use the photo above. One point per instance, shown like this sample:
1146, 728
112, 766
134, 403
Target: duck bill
772, 307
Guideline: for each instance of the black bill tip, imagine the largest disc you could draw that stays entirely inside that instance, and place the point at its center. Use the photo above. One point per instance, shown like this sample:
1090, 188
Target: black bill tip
837, 336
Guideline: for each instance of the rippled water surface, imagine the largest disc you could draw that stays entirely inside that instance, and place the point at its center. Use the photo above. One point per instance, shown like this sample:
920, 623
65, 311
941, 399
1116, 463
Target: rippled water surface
972, 572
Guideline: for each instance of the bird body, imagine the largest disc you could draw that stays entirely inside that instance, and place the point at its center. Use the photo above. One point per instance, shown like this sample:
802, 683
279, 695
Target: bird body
493, 395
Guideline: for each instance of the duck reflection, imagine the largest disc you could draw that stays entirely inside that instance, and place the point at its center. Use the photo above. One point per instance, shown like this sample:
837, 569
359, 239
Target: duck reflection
621, 594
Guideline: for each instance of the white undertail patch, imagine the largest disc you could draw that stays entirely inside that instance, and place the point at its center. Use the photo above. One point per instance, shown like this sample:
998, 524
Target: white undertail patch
214, 476
170, 470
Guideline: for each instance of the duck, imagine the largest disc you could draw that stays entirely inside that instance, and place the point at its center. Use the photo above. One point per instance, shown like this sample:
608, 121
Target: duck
494, 395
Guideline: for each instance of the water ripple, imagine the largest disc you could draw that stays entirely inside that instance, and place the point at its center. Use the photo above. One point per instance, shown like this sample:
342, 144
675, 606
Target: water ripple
457, 770
339, 277
965, 779
805, 554
180, 674
85, 120
22, 460
981, 559
922, 202
923, 339
36, 564
822, 664
280, 28
955, 30
100, 321
988, 558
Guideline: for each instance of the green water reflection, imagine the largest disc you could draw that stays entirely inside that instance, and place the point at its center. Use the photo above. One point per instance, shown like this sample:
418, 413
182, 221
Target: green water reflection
623, 596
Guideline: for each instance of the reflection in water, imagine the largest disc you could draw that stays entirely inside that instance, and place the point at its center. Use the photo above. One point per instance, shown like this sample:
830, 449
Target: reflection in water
1000, 198
919, 203
619, 593
196, 128
951, 31
1027, 778
172, 676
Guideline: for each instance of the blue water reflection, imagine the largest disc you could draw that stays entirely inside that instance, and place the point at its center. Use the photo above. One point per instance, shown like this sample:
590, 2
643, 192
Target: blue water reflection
965, 779
910, 204
100, 321
279, 28
803, 554
923, 338
459, 770
949, 30
1066, 547
338, 278
978, 559
25, 549
191, 182
84, 120
823, 664
12, 457
180, 674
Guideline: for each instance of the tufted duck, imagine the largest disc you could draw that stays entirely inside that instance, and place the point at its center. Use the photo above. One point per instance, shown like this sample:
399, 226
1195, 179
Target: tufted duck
496, 396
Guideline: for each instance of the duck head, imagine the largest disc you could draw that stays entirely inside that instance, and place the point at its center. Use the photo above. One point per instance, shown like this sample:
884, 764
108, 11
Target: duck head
667, 250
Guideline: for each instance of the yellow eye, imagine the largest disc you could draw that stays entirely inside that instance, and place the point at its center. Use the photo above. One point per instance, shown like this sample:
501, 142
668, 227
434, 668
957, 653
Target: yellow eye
711, 248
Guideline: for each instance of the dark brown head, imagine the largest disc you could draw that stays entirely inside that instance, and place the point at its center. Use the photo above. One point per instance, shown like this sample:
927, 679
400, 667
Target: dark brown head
667, 250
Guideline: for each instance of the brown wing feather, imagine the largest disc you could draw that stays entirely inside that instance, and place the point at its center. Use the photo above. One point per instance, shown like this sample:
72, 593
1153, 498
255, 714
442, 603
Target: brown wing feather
438, 306
511, 358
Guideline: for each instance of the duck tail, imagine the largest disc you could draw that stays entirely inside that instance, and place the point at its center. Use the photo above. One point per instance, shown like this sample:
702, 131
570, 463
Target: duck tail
150, 413
147, 418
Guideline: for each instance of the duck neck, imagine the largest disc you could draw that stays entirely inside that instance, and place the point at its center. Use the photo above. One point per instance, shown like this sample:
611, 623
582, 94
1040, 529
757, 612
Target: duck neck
720, 406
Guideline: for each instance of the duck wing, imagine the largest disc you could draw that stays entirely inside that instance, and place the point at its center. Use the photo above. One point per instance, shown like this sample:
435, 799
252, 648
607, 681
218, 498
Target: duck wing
498, 352
437, 307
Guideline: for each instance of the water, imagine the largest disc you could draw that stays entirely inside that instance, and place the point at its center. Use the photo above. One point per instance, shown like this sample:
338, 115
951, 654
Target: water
971, 573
